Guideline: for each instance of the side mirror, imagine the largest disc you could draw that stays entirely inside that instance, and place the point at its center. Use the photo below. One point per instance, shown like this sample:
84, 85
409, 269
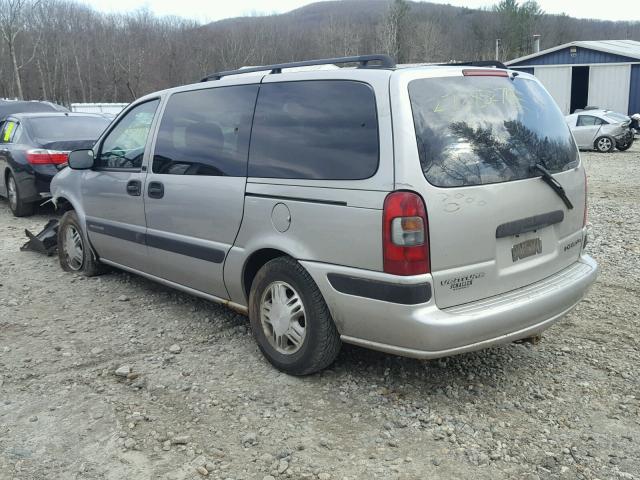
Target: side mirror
81, 159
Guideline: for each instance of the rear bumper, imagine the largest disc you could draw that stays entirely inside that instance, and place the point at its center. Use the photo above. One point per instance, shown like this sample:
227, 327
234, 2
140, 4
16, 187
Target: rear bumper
35, 182
425, 331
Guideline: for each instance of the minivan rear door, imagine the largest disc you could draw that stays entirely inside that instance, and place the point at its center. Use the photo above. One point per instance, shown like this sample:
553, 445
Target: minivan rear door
474, 146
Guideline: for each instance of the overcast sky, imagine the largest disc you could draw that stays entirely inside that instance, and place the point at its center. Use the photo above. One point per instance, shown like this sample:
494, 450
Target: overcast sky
206, 11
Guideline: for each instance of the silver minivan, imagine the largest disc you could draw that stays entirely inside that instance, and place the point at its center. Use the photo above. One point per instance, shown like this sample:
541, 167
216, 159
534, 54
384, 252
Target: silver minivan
424, 211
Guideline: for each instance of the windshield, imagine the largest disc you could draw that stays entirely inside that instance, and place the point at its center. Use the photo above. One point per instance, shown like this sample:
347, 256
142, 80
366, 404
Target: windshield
616, 117
477, 130
55, 128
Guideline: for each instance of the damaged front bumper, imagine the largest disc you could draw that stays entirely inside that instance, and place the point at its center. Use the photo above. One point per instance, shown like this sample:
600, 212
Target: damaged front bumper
46, 241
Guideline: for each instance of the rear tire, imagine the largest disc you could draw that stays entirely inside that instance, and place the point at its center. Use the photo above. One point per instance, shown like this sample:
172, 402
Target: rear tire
290, 319
18, 207
604, 144
74, 253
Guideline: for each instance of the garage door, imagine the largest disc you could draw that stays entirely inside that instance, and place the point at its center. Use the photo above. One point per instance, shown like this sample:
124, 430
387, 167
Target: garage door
609, 87
557, 80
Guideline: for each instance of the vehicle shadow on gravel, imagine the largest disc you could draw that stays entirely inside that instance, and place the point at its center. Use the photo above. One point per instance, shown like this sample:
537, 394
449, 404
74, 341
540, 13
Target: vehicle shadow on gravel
46, 208
475, 373
483, 368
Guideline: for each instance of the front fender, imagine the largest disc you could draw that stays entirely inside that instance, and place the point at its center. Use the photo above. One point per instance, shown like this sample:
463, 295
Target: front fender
66, 185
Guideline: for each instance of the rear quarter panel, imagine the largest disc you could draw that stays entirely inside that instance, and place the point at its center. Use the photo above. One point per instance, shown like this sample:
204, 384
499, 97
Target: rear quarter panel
335, 221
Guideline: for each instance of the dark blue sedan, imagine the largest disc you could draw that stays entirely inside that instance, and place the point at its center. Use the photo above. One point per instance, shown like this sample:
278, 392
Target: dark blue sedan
34, 147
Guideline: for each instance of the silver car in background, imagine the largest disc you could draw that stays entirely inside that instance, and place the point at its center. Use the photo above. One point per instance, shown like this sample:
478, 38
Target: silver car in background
601, 130
424, 211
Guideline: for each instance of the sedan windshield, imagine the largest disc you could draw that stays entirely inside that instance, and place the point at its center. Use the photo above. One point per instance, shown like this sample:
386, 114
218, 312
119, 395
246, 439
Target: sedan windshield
616, 117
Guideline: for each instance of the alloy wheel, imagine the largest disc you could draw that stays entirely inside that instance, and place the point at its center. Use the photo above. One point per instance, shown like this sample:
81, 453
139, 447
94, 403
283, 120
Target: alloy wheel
604, 144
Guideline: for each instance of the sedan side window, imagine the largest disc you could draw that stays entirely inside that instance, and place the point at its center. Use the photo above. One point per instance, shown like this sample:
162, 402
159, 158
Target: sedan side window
123, 148
588, 121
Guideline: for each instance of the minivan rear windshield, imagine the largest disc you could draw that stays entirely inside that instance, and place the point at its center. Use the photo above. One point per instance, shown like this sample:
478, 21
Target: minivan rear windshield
62, 127
475, 130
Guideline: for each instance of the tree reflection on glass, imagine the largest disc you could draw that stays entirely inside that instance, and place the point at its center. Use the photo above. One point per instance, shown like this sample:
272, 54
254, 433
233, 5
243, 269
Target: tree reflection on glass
476, 155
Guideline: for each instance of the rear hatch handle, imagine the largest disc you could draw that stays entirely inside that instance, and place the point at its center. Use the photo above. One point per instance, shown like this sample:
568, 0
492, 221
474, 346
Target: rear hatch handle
546, 176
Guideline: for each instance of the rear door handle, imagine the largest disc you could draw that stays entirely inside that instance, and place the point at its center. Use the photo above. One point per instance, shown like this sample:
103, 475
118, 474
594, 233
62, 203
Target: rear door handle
134, 188
155, 190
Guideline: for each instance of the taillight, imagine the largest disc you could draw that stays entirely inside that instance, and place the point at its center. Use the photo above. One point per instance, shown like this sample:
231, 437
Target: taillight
41, 156
405, 235
487, 72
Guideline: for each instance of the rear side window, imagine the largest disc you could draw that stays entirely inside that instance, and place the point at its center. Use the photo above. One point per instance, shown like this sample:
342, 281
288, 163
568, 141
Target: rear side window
206, 132
477, 130
317, 130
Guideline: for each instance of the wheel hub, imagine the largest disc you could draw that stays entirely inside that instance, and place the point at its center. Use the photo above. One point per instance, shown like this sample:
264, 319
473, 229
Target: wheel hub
12, 192
73, 247
283, 318
605, 143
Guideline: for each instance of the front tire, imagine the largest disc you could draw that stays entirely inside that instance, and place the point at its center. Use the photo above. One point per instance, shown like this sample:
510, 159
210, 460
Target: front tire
625, 146
18, 206
74, 253
604, 144
290, 319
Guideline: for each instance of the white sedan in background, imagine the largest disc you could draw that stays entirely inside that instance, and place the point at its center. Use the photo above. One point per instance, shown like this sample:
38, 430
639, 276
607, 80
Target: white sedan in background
601, 130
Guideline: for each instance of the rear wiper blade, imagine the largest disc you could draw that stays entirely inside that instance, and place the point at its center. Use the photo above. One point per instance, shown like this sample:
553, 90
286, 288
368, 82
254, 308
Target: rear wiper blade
553, 183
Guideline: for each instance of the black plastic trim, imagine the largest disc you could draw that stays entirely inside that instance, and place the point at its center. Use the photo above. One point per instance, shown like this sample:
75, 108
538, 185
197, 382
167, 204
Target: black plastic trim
185, 248
181, 247
476, 63
296, 199
529, 224
116, 232
384, 291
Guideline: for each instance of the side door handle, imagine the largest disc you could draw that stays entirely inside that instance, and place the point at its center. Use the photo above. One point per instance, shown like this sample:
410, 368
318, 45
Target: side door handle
134, 188
155, 190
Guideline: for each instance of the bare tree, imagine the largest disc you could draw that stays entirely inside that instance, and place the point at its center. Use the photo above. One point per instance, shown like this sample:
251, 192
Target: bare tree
65, 51
13, 21
395, 30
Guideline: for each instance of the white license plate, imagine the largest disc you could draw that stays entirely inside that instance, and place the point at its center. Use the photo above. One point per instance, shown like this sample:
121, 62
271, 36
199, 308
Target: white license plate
526, 249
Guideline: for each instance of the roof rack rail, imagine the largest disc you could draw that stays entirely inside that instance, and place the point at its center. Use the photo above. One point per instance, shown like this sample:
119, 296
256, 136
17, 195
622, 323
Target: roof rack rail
385, 61
477, 63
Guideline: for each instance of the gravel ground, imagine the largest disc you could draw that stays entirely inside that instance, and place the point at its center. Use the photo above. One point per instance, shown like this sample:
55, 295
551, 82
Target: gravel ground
117, 377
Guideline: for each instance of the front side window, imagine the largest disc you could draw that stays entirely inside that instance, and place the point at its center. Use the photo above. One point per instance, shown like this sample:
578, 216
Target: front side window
473, 130
124, 146
206, 132
319, 130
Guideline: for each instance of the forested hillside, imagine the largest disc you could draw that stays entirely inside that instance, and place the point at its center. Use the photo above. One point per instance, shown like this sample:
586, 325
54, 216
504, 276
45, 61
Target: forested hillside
67, 52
